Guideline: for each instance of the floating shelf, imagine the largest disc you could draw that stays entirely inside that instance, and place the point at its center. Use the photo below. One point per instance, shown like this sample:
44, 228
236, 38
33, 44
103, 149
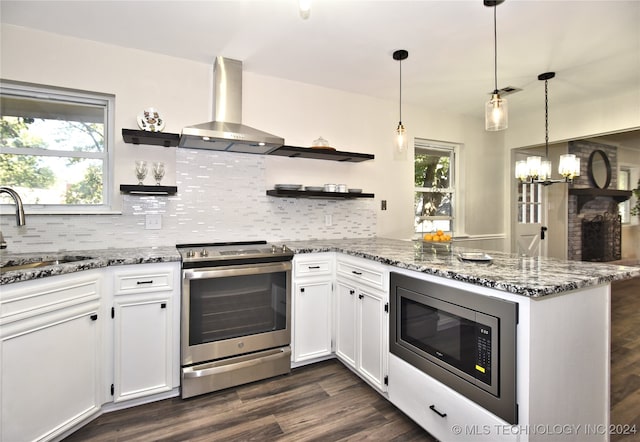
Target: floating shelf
321, 154
281, 193
148, 190
153, 138
585, 195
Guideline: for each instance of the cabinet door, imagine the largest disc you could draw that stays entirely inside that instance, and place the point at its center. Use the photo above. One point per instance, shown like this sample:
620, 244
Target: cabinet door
312, 316
143, 336
371, 337
50, 374
346, 325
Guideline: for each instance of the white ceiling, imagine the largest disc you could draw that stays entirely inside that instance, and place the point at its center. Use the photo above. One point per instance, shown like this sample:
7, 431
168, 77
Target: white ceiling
593, 46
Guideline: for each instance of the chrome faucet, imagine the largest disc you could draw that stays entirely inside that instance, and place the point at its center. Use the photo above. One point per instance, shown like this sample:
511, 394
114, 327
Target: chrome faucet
20, 221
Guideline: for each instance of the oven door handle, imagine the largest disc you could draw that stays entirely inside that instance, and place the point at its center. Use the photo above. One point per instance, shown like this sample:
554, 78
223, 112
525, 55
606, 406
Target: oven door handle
194, 372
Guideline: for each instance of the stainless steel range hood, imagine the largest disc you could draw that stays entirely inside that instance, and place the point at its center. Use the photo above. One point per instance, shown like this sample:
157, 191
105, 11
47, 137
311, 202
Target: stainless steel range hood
227, 132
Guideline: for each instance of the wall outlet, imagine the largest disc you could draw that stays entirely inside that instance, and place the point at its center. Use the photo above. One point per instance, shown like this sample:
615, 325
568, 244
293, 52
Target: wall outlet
328, 220
153, 221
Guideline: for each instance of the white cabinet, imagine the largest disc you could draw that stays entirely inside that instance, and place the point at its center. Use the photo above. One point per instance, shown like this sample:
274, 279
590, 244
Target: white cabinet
312, 306
50, 355
362, 319
446, 414
145, 330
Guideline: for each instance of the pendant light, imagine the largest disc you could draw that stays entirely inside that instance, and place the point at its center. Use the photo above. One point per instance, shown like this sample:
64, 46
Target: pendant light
495, 111
401, 134
536, 169
304, 7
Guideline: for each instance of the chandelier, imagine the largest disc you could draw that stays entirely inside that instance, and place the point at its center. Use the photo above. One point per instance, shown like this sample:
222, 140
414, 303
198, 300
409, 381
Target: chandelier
536, 169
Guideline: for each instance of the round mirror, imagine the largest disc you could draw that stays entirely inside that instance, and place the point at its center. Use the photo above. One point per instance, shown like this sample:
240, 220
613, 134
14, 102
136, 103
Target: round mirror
599, 169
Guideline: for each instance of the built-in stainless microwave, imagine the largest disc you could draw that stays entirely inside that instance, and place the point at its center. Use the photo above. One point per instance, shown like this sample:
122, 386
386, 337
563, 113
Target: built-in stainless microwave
465, 340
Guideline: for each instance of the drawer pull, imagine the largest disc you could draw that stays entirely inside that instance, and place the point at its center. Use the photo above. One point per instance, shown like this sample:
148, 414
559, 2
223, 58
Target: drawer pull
144, 282
433, 408
313, 267
356, 273
351, 292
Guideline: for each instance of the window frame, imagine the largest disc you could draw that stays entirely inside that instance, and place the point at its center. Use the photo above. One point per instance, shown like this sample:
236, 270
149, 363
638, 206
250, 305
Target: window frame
52, 93
455, 152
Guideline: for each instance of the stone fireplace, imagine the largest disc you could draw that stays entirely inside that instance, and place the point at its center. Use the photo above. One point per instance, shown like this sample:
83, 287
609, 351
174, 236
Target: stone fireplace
594, 225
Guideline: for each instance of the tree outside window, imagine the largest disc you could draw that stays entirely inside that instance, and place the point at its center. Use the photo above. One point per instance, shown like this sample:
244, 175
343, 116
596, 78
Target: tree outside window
53, 148
434, 188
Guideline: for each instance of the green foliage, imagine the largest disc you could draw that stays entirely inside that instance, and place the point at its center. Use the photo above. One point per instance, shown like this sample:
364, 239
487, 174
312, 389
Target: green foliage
24, 171
28, 171
87, 191
635, 210
431, 171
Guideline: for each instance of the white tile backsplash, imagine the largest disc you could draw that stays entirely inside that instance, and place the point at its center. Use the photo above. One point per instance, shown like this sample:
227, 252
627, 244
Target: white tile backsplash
221, 197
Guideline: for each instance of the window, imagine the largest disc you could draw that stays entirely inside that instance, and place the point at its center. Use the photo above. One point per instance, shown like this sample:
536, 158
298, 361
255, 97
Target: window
624, 183
530, 203
54, 147
434, 186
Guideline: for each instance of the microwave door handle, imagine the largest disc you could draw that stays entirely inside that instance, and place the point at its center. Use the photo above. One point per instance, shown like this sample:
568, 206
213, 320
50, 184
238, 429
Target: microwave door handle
191, 373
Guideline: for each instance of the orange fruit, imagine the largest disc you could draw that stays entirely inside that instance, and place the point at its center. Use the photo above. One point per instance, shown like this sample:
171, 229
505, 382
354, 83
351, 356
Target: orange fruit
435, 238
439, 233
427, 237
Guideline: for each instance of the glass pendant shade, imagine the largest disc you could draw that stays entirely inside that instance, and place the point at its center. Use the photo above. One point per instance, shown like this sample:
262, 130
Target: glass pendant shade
304, 7
534, 164
401, 138
569, 166
545, 170
495, 113
522, 172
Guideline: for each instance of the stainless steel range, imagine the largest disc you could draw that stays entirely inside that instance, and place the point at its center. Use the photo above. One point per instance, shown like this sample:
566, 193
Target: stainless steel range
236, 314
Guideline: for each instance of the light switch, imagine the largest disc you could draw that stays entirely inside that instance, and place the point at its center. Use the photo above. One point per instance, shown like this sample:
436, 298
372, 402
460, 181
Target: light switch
153, 221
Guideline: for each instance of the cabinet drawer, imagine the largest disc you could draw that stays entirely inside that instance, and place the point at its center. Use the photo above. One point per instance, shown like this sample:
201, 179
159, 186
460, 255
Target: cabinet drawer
140, 282
444, 413
314, 266
367, 274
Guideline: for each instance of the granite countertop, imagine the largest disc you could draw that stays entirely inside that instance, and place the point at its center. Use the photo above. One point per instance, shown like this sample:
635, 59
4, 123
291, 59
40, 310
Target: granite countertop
533, 277
97, 259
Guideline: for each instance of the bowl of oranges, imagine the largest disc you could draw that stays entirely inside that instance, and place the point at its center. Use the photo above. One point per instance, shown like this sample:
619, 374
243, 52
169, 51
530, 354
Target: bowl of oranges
436, 237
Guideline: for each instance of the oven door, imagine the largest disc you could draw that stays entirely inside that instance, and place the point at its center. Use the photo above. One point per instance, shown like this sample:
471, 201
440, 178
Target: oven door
233, 310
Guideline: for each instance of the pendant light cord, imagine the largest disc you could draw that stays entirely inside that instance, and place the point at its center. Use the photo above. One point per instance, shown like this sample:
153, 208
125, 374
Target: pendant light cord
546, 119
400, 105
495, 50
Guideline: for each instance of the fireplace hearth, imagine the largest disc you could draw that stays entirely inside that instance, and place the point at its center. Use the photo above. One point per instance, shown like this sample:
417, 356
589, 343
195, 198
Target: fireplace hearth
601, 238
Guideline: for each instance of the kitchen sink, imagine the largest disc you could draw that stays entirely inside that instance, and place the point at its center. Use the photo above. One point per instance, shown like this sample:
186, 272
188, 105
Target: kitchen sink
21, 265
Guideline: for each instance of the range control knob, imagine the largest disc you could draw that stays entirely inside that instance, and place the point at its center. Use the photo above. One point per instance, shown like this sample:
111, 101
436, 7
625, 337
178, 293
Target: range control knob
273, 248
191, 254
284, 248
204, 253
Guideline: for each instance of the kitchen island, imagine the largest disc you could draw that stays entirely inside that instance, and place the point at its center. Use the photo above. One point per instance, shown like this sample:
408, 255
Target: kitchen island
532, 277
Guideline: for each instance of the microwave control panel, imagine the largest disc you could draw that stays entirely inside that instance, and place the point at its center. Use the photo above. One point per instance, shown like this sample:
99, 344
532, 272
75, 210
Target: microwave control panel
483, 353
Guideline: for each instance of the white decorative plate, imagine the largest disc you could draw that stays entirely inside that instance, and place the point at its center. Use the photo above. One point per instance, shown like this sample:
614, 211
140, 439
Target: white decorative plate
475, 257
150, 120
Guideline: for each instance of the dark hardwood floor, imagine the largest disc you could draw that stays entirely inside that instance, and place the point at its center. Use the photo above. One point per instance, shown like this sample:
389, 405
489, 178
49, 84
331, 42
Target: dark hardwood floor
625, 357
327, 402
319, 402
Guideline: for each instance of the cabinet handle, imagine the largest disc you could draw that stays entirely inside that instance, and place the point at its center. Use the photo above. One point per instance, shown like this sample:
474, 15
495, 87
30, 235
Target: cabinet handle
360, 296
163, 305
314, 267
94, 317
302, 290
351, 292
144, 282
356, 273
433, 408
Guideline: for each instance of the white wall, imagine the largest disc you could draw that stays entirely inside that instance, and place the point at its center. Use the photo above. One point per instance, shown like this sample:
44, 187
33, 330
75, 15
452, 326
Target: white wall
181, 90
